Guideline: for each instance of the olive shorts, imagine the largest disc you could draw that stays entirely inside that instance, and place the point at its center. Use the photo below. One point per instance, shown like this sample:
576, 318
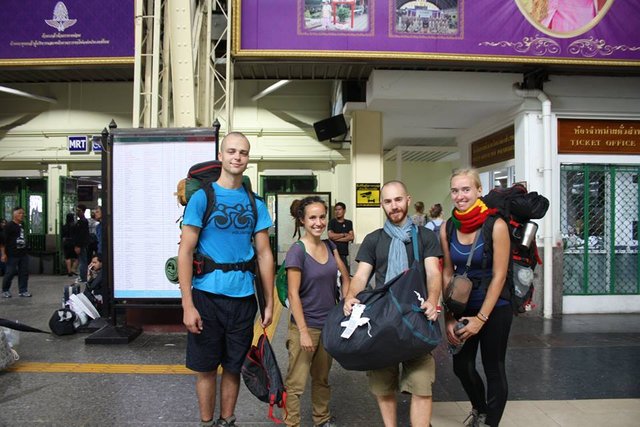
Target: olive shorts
417, 377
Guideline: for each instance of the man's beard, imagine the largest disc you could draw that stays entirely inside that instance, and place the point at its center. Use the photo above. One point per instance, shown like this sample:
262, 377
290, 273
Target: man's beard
404, 212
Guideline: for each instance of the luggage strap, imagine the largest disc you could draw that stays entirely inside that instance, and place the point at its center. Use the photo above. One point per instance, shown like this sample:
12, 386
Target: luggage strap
203, 264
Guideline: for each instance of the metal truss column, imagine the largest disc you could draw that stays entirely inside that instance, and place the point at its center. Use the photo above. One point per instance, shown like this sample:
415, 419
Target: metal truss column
222, 81
182, 68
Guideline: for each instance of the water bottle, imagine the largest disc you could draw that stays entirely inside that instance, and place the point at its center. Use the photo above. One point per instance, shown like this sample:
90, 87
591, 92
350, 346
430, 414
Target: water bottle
523, 277
455, 349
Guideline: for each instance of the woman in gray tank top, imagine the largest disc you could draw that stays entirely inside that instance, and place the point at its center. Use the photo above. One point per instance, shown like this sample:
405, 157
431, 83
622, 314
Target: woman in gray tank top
312, 266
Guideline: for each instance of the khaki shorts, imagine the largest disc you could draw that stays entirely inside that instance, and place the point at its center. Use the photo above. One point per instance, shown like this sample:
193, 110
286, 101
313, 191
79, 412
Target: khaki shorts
417, 377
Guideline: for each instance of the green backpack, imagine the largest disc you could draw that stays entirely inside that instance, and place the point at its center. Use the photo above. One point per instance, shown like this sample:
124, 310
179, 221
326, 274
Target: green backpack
282, 287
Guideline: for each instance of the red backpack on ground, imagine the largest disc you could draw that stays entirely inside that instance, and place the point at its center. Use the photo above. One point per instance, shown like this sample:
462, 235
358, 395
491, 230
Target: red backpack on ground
262, 376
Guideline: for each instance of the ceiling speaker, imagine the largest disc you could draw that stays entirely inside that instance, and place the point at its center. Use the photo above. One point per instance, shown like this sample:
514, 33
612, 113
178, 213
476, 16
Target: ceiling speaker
330, 128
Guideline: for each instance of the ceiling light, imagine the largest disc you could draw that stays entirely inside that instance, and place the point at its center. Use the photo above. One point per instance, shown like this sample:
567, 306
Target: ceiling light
27, 95
270, 89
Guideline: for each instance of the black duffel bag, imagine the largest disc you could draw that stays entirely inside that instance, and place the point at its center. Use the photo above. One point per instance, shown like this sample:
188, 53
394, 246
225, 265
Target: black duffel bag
397, 330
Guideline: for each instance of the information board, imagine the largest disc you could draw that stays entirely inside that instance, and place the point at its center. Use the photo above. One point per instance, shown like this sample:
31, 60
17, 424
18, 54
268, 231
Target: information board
147, 165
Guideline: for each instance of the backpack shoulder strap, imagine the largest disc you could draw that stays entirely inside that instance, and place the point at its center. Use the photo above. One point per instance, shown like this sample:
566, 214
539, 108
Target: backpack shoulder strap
211, 202
487, 233
252, 200
450, 229
328, 243
414, 242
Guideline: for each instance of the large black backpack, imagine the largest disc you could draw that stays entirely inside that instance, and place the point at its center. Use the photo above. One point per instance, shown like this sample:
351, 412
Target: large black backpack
516, 206
202, 175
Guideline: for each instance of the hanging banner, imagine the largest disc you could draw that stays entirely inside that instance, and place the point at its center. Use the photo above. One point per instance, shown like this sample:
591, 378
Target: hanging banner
37, 32
538, 31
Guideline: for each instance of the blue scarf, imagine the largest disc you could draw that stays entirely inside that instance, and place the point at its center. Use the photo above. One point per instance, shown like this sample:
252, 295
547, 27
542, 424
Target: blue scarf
397, 261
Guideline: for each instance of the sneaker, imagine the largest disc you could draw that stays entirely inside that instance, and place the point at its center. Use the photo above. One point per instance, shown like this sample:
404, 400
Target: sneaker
25, 294
6, 294
331, 422
475, 419
228, 422
210, 423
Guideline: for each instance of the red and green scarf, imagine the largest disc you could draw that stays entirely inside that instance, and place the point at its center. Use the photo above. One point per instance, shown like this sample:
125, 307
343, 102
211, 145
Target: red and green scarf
473, 218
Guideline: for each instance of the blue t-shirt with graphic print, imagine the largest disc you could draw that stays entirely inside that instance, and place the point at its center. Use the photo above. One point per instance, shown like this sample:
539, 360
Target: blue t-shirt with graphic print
226, 238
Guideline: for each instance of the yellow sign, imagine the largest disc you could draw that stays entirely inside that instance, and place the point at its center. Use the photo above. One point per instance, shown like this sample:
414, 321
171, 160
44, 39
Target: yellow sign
367, 195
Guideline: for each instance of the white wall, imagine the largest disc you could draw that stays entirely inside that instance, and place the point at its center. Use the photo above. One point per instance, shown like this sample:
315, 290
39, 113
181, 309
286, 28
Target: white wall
37, 131
426, 182
280, 128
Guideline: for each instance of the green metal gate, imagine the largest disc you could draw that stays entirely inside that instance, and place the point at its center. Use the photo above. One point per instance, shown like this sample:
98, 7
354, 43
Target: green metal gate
599, 222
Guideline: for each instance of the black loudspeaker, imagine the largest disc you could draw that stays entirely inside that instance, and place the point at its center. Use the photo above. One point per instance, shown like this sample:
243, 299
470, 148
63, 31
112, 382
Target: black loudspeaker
330, 128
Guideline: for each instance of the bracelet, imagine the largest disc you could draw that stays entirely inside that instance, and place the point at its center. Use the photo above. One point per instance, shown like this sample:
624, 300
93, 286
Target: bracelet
483, 318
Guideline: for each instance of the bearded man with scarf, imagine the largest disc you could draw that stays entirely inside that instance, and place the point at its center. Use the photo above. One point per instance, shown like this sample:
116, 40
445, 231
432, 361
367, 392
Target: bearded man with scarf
388, 252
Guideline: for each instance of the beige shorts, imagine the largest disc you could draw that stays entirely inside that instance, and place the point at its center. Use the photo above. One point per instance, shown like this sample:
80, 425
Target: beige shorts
417, 377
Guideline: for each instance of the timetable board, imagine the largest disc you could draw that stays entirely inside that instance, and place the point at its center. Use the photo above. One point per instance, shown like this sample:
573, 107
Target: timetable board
146, 167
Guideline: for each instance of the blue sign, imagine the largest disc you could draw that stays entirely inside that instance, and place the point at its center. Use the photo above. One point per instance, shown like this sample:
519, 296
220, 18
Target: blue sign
96, 143
78, 144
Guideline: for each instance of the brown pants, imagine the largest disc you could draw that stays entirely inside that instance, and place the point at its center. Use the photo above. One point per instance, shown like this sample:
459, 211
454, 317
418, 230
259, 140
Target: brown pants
301, 364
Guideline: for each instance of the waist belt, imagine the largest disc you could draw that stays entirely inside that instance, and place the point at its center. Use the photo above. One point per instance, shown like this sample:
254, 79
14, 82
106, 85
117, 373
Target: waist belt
203, 264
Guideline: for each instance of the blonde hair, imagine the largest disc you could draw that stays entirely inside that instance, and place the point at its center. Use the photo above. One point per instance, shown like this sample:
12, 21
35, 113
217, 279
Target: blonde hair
539, 9
470, 172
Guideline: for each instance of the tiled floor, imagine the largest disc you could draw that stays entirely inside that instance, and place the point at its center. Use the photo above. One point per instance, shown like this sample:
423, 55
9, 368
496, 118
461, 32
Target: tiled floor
571, 371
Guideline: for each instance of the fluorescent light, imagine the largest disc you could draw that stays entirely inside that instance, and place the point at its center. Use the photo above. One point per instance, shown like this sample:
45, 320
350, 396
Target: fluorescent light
27, 95
267, 91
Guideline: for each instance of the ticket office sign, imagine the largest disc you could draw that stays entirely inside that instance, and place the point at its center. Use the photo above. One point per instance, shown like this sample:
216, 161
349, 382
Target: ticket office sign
576, 136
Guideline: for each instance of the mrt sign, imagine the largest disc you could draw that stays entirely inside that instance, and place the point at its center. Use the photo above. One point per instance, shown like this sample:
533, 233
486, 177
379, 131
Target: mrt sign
78, 144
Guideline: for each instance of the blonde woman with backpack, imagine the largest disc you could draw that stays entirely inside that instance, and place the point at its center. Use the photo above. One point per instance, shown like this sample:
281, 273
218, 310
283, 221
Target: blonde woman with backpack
312, 268
486, 321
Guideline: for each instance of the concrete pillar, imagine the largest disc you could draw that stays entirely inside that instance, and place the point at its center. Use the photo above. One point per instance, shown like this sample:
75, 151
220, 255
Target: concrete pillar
54, 198
367, 161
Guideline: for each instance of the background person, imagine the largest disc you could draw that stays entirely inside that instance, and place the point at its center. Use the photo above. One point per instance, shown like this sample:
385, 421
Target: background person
92, 247
219, 307
14, 253
68, 245
436, 218
3, 265
341, 233
488, 311
98, 217
311, 278
418, 218
388, 252
81, 240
